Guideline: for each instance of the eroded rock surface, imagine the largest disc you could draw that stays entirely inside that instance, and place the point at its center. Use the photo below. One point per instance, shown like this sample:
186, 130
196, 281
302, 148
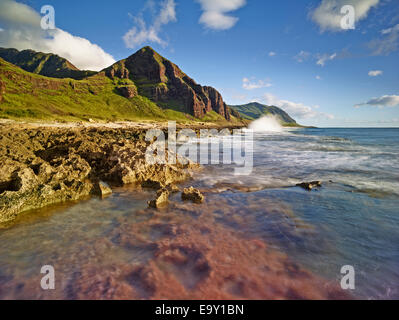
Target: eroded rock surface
193, 195
161, 199
42, 166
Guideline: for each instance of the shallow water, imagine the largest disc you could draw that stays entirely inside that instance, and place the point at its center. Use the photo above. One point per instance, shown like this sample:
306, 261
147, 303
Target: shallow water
117, 248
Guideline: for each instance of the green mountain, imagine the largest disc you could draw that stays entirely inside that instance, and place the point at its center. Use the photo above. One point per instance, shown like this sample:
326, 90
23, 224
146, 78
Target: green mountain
254, 110
144, 86
36, 85
45, 64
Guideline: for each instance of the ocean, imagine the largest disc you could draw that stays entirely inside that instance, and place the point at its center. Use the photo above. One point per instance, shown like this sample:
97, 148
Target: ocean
352, 219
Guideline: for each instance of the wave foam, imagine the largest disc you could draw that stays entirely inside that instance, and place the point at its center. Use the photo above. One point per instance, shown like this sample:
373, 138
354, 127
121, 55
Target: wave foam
269, 123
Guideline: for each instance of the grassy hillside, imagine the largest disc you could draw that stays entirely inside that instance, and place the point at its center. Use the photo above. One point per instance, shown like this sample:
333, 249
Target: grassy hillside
254, 110
45, 64
28, 96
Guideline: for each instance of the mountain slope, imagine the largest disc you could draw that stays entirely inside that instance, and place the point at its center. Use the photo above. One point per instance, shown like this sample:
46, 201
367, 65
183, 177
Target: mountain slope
49, 65
164, 83
254, 110
29, 96
25, 95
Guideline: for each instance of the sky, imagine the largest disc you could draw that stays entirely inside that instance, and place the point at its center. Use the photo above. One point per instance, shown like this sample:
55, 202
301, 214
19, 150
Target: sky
324, 66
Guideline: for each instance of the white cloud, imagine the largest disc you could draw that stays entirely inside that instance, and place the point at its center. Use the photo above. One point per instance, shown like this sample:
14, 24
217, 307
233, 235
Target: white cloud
22, 31
215, 13
318, 77
375, 73
302, 56
388, 43
294, 109
384, 101
272, 54
390, 30
323, 58
142, 33
328, 14
251, 84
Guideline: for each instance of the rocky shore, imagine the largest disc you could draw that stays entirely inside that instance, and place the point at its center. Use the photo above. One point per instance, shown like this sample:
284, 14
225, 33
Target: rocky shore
48, 164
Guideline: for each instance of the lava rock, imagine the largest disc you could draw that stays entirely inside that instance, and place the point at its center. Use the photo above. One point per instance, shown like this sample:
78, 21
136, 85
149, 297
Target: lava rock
193, 195
309, 185
161, 199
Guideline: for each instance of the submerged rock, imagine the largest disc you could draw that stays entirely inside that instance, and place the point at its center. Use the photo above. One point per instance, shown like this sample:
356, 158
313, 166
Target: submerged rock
161, 199
193, 195
309, 185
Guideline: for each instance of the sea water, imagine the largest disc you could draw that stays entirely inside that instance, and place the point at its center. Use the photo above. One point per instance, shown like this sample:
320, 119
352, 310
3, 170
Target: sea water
353, 219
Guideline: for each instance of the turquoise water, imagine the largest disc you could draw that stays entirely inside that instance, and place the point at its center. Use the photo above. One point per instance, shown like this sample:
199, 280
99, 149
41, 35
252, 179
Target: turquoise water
352, 220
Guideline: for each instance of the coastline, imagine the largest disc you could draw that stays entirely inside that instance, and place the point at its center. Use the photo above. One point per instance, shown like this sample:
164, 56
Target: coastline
51, 163
47, 163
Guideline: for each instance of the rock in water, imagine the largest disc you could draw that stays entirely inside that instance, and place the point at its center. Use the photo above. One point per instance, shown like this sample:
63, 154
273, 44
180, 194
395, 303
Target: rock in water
103, 189
173, 188
309, 185
161, 200
193, 195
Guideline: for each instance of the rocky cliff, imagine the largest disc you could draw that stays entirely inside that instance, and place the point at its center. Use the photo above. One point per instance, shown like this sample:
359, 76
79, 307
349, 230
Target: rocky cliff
164, 83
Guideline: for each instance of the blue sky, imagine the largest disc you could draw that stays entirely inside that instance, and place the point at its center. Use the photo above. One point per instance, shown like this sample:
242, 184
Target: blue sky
289, 53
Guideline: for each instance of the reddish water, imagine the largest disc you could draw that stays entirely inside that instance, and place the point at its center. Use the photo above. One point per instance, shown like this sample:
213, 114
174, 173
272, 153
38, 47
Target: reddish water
116, 248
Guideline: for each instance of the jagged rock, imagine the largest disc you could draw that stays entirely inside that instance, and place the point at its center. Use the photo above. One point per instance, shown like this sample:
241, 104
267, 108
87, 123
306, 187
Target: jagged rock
309, 185
102, 189
193, 195
161, 199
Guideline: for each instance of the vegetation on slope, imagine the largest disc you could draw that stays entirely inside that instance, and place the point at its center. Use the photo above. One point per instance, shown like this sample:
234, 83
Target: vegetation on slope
45, 64
254, 110
28, 96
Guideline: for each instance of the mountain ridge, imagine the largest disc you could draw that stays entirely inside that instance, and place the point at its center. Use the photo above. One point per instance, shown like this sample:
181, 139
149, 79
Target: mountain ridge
163, 82
254, 110
45, 64
143, 86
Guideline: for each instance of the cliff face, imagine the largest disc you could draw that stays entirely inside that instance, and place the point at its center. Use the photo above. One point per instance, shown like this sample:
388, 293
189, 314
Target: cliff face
164, 83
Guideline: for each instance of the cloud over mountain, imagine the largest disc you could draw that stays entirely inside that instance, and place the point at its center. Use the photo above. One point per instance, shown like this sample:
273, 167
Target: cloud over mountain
251, 84
295, 109
142, 33
22, 30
